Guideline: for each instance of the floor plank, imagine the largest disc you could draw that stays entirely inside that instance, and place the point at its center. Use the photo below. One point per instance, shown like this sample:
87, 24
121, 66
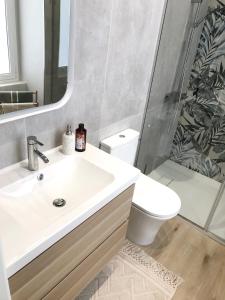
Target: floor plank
198, 259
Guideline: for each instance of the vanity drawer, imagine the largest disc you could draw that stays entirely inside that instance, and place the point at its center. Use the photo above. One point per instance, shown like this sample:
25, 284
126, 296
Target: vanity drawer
83, 274
41, 275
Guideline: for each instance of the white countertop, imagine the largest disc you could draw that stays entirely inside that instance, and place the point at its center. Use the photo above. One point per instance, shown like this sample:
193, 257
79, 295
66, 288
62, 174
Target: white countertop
22, 246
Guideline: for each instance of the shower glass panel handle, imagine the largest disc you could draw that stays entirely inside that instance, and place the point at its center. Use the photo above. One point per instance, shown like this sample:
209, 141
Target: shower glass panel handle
171, 103
172, 97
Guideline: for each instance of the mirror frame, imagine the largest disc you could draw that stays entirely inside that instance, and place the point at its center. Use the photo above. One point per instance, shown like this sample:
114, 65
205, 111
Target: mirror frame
12, 116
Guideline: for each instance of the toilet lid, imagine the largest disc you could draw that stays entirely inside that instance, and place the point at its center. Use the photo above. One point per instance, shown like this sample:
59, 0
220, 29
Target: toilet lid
155, 199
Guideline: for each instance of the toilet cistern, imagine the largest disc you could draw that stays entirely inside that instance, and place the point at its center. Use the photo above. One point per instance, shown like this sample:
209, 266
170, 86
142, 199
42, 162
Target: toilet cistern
34, 153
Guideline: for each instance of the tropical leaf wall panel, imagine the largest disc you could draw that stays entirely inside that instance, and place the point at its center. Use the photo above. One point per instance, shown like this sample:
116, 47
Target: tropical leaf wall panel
199, 142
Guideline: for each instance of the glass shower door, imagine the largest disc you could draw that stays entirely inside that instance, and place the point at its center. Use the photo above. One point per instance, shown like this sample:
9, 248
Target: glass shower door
165, 90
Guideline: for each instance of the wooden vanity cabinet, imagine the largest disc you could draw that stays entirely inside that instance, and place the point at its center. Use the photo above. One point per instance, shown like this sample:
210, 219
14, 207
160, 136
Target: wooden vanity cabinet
63, 270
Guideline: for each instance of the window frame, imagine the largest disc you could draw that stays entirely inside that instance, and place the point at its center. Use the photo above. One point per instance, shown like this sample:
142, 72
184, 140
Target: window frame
11, 25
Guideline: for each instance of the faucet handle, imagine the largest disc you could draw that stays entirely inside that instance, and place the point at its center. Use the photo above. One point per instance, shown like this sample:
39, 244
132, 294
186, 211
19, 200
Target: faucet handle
39, 143
32, 140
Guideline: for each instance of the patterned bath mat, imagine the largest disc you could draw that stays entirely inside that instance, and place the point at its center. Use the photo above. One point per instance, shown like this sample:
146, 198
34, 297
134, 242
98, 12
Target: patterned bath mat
132, 275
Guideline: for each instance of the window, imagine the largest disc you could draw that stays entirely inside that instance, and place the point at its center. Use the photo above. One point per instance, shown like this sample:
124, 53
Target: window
4, 57
8, 42
64, 33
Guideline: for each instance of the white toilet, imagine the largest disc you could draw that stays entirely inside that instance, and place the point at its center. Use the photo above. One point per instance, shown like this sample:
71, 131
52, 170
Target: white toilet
153, 203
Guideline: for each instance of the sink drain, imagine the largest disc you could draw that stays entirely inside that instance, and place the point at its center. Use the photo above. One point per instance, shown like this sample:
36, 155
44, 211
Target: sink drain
40, 177
59, 202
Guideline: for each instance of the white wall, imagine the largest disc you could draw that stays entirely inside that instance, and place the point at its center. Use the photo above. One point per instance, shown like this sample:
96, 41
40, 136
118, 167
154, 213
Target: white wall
31, 35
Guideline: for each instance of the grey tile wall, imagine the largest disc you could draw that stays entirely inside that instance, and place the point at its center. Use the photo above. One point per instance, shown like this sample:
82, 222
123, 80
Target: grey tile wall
114, 54
12, 146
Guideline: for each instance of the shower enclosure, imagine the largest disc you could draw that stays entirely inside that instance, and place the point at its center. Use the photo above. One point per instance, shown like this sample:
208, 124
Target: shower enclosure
183, 135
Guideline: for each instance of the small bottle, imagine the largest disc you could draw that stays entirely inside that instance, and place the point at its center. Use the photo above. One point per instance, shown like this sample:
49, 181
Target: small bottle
68, 141
80, 138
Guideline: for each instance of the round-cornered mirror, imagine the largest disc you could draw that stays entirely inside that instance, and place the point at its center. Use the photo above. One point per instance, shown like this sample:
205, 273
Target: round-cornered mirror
34, 56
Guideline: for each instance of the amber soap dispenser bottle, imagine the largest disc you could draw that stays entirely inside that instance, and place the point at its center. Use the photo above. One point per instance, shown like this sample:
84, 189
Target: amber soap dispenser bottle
80, 138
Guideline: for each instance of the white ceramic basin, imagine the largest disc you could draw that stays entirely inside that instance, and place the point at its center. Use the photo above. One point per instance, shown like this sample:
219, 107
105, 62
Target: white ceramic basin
74, 179
30, 223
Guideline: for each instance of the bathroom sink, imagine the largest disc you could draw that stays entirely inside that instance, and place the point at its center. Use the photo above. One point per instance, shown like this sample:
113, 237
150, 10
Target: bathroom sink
67, 179
38, 208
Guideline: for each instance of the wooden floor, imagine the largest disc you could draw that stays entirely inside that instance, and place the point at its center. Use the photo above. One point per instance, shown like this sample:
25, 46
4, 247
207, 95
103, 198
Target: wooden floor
199, 260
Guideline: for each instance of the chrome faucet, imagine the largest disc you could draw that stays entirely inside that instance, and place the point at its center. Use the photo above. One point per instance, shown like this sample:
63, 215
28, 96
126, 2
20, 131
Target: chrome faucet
33, 153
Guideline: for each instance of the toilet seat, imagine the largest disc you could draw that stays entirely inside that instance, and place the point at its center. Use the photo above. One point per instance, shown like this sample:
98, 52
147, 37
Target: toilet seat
155, 199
